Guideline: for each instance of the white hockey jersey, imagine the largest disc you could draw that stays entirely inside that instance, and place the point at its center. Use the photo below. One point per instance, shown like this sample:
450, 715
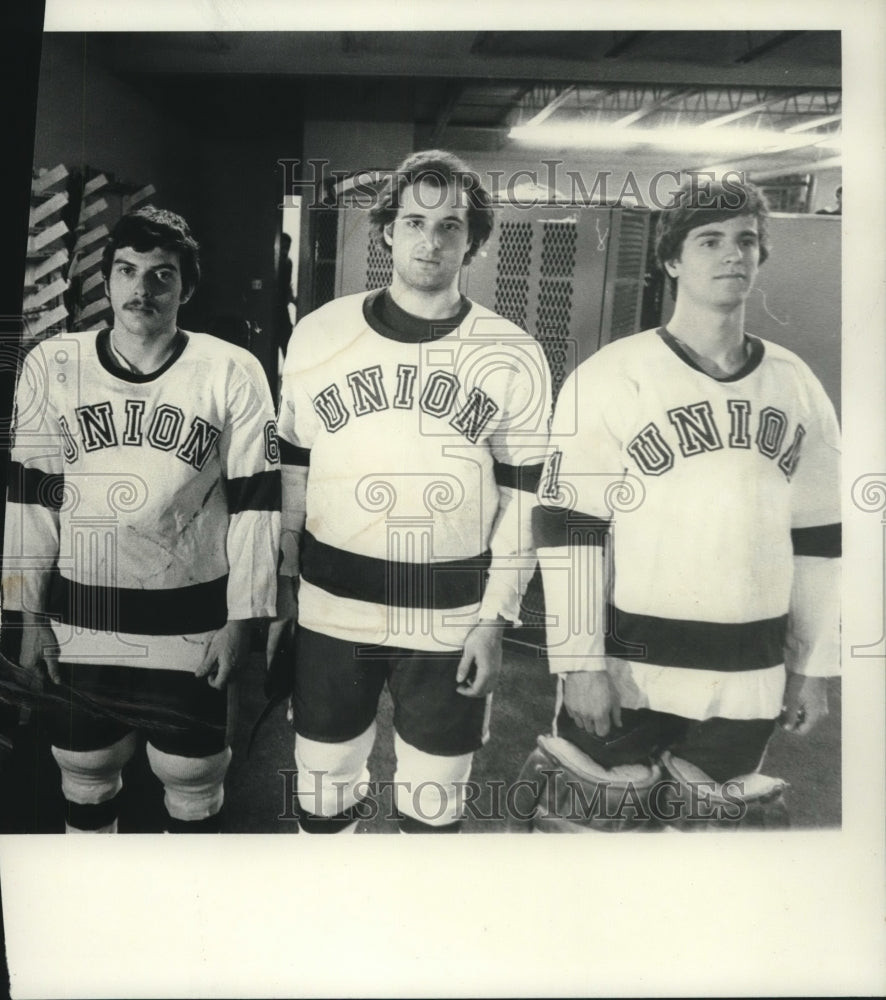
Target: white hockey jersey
143, 510
722, 500
411, 452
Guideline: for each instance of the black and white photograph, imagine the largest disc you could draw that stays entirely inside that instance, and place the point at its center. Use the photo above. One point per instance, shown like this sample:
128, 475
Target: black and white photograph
424, 424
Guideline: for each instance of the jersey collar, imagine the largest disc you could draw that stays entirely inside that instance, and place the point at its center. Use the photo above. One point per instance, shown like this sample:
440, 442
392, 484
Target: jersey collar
108, 362
755, 356
383, 314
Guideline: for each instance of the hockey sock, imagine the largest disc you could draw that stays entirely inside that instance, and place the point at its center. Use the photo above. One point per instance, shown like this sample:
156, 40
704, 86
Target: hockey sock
100, 817
210, 824
408, 824
343, 822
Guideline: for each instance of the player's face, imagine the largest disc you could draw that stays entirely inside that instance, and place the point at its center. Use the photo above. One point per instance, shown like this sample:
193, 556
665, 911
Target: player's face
429, 237
146, 291
719, 262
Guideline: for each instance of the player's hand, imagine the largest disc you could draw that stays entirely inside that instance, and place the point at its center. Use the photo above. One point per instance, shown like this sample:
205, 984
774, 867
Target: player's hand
591, 701
287, 614
481, 659
805, 703
227, 651
39, 647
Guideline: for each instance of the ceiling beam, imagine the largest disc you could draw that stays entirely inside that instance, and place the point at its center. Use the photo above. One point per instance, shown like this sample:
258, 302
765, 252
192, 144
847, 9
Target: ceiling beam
289, 54
773, 43
220, 43
815, 123
628, 42
445, 113
551, 106
763, 154
656, 105
481, 42
801, 168
751, 109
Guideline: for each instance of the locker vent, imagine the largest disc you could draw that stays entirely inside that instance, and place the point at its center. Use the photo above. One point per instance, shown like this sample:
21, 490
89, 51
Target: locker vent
379, 265
512, 272
555, 295
629, 274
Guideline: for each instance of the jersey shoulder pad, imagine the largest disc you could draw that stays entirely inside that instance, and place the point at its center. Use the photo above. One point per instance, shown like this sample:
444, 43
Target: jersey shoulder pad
325, 331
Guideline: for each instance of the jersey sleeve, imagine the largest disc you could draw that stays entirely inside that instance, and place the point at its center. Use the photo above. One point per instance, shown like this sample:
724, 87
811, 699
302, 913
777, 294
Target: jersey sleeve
813, 638
572, 518
251, 468
297, 423
35, 491
518, 449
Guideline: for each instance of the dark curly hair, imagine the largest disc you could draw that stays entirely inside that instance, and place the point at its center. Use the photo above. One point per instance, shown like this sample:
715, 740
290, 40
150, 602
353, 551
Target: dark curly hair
693, 205
148, 228
445, 170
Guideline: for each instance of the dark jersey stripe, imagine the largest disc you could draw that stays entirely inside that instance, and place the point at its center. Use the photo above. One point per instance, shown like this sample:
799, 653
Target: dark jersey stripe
518, 477
291, 454
825, 540
30, 485
554, 527
261, 491
178, 611
451, 584
700, 645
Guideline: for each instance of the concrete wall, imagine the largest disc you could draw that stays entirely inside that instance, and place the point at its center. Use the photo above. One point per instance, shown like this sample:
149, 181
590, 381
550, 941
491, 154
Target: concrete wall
357, 145
228, 188
87, 118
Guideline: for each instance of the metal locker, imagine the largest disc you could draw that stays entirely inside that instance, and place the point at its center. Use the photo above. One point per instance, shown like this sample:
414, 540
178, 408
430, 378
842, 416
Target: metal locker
570, 276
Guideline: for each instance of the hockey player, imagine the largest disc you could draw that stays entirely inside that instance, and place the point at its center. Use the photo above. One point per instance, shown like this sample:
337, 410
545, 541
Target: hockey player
412, 432
707, 460
143, 517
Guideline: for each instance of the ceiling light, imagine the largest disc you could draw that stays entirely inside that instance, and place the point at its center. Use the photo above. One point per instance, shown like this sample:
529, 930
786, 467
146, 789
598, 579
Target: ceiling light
683, 138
